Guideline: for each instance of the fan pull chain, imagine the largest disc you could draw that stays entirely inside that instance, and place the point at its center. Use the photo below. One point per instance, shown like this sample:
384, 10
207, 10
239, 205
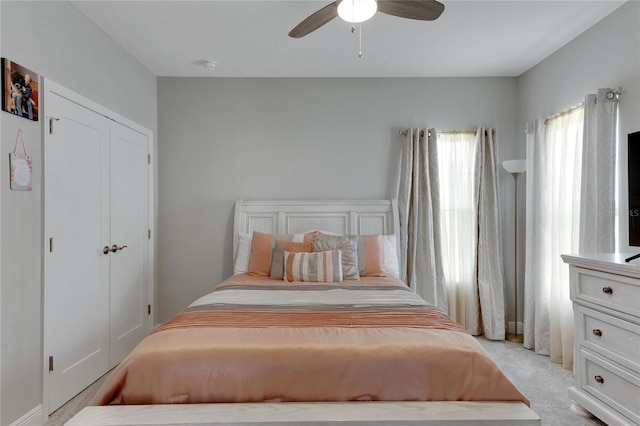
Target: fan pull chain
360, 52
353, 30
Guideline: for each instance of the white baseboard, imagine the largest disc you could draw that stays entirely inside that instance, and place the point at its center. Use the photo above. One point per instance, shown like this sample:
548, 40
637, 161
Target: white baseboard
32, 418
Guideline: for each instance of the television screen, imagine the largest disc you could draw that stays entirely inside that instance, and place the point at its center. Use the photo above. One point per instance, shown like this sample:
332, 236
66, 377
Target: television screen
634, 188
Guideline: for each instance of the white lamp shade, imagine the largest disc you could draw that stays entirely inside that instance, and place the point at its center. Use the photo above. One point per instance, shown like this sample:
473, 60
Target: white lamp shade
357, 10
515, 166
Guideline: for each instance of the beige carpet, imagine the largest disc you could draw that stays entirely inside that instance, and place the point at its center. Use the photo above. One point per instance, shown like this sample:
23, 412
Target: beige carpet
71, 408
543, 382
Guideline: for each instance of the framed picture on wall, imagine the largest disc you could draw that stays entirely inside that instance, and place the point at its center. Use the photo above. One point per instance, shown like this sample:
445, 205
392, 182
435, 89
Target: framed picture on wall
19, 90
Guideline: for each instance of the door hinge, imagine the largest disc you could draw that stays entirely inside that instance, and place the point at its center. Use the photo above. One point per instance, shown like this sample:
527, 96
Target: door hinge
51, 363
149, 158
51, 245
149, 233
51, 120
148, 309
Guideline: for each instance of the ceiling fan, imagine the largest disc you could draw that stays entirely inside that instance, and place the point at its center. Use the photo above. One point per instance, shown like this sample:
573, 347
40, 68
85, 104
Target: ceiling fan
360, 10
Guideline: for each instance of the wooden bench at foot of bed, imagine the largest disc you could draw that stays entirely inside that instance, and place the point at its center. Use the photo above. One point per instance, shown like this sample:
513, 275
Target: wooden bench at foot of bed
317, 414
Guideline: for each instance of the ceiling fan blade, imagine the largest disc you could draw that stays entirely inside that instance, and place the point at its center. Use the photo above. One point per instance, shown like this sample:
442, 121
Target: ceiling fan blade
424, 10
315, 21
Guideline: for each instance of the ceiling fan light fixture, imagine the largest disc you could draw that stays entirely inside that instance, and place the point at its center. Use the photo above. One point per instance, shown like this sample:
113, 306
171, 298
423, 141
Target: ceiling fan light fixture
355, 11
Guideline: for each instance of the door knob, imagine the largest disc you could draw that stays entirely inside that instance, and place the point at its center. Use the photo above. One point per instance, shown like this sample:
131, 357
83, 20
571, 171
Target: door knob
115, 248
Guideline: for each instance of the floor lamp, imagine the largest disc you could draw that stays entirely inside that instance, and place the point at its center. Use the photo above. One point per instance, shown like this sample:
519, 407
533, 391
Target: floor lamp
515, 167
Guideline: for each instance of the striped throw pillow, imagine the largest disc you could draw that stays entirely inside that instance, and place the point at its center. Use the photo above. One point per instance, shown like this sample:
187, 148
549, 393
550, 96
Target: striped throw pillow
322, 266
277, 255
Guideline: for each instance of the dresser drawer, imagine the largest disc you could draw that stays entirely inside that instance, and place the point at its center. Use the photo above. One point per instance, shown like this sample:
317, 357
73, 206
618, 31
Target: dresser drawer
609, 336
613, 291
614, 386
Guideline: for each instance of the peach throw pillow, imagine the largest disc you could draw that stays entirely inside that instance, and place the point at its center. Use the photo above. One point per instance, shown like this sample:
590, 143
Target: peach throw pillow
260, 258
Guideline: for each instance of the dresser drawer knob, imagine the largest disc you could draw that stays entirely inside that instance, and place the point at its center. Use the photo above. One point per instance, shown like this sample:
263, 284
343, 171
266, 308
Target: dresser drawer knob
597, 332
607, 290
599, 379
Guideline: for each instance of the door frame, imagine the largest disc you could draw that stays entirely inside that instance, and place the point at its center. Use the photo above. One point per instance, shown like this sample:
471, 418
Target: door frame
53, 88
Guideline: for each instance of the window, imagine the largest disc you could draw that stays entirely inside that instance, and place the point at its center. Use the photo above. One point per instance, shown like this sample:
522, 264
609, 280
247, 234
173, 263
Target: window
458, 220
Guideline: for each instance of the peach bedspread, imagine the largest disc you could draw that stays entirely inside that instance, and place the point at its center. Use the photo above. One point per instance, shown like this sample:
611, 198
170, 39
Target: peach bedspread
383, 349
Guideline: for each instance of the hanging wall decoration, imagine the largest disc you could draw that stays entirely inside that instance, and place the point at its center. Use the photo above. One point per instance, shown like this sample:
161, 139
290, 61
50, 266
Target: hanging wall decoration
19, 90
20, 167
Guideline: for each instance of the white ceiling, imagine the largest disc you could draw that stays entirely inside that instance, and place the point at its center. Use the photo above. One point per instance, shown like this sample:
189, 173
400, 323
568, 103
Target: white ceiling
250, 38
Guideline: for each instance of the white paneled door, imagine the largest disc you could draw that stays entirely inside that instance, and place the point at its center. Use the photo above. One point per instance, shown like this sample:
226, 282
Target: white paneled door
96, 272
129, 220
76, 282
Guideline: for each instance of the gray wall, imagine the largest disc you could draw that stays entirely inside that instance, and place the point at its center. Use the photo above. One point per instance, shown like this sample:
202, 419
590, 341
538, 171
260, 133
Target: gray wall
63, 45
226, 139
607, 55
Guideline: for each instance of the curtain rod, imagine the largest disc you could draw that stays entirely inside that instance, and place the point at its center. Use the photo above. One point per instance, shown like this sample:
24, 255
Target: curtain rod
404, 132
455, 132
612, 95
563, 113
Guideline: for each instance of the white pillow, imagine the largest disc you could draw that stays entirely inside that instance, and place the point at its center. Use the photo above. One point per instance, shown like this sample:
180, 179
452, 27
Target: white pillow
243, 253
391, 265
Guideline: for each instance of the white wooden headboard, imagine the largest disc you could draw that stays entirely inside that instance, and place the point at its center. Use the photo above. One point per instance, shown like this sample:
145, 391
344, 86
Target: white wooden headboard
347, 217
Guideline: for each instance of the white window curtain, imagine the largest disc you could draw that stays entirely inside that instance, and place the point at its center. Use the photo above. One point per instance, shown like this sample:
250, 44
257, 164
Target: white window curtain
458, 224
454, 257
598, 200
489, 240
554, 164
419, 231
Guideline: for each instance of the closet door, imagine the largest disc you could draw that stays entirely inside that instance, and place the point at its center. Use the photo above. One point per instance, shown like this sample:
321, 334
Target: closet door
76, 282
97, 262
129, 214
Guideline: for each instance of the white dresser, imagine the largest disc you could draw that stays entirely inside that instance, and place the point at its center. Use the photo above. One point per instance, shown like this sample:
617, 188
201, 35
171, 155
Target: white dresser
605, 291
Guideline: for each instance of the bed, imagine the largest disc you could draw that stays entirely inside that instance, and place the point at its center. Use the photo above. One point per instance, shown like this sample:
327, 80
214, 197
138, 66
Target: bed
314, 327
